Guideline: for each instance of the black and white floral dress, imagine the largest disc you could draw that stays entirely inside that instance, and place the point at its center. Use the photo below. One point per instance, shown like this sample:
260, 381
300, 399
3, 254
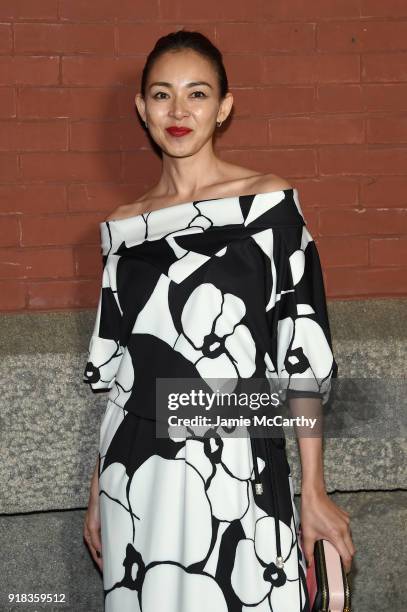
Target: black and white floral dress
229, 287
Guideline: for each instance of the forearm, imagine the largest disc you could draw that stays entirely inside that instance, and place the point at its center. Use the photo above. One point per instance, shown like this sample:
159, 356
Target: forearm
312, 469
310, 443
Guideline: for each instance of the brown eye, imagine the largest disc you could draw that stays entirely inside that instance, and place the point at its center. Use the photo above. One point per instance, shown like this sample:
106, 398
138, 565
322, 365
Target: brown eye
158, 93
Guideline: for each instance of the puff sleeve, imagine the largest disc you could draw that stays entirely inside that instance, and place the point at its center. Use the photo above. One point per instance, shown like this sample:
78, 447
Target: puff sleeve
105, 350
302, 344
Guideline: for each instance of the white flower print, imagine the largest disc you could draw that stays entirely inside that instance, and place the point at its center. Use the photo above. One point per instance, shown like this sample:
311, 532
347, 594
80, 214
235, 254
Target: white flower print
213, 337
106, 356
150, 552
256, 579
305, 358
154, 536
226, 465
161, 590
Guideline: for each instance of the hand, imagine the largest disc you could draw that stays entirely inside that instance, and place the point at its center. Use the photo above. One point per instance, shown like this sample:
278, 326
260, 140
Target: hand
92, 531
321, 518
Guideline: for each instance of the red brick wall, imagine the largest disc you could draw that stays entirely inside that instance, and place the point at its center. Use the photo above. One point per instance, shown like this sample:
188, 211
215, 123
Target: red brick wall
320, 98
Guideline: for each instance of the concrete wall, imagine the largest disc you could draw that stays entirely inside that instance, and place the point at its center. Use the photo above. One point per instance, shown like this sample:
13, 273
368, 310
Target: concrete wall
49, 422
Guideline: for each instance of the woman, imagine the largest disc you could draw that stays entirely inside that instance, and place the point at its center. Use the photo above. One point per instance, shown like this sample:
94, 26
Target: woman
206, 275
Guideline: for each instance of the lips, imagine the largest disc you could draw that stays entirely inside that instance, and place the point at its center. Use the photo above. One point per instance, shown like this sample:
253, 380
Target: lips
178, 131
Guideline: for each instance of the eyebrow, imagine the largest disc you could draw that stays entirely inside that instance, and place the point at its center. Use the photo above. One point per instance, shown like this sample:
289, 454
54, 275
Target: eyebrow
192, 84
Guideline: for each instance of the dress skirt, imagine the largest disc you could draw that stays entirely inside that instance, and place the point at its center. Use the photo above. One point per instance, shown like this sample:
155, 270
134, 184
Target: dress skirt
185, 527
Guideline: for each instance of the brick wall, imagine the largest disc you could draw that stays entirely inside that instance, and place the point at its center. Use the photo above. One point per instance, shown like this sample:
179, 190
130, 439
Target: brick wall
320, 98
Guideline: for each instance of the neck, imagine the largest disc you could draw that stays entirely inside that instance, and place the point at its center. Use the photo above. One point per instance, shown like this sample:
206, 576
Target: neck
183, 177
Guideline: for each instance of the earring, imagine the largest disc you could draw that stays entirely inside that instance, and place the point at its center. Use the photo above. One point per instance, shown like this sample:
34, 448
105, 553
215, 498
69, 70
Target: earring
219, 123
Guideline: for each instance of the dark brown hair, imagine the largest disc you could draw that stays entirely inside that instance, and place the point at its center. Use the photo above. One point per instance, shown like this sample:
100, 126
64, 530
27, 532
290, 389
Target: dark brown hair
185, 39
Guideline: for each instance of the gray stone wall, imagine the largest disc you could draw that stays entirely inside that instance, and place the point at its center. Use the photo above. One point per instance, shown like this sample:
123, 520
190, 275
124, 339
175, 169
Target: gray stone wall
49, 423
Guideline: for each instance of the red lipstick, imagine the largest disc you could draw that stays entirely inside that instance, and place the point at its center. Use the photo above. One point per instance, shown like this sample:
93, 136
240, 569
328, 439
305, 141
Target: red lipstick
176, 131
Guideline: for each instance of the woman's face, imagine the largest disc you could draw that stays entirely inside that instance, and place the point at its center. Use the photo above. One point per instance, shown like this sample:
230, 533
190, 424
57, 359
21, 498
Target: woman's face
182, 90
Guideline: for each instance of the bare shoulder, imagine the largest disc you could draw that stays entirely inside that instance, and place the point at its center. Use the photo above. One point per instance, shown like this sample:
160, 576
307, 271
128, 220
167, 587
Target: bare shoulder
125, 210
137, 207
270, 182
248, 180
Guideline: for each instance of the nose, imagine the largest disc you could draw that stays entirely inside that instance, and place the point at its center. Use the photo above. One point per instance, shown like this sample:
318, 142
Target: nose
178, 108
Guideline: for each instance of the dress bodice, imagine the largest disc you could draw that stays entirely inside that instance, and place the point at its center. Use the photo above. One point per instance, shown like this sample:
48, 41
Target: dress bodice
229, 287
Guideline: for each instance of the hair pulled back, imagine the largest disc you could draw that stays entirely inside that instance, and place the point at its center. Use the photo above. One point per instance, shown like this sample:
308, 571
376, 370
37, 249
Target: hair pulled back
186, 39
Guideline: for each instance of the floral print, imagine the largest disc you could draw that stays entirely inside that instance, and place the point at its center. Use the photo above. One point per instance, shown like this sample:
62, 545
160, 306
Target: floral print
228, 288
254, 557
216, 344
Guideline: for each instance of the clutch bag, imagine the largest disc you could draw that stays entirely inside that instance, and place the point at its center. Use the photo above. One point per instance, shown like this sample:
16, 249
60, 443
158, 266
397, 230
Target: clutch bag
327, 583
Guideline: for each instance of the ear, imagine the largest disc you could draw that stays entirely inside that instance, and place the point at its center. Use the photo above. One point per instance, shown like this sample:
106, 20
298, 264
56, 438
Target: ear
225, 107
140, 105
